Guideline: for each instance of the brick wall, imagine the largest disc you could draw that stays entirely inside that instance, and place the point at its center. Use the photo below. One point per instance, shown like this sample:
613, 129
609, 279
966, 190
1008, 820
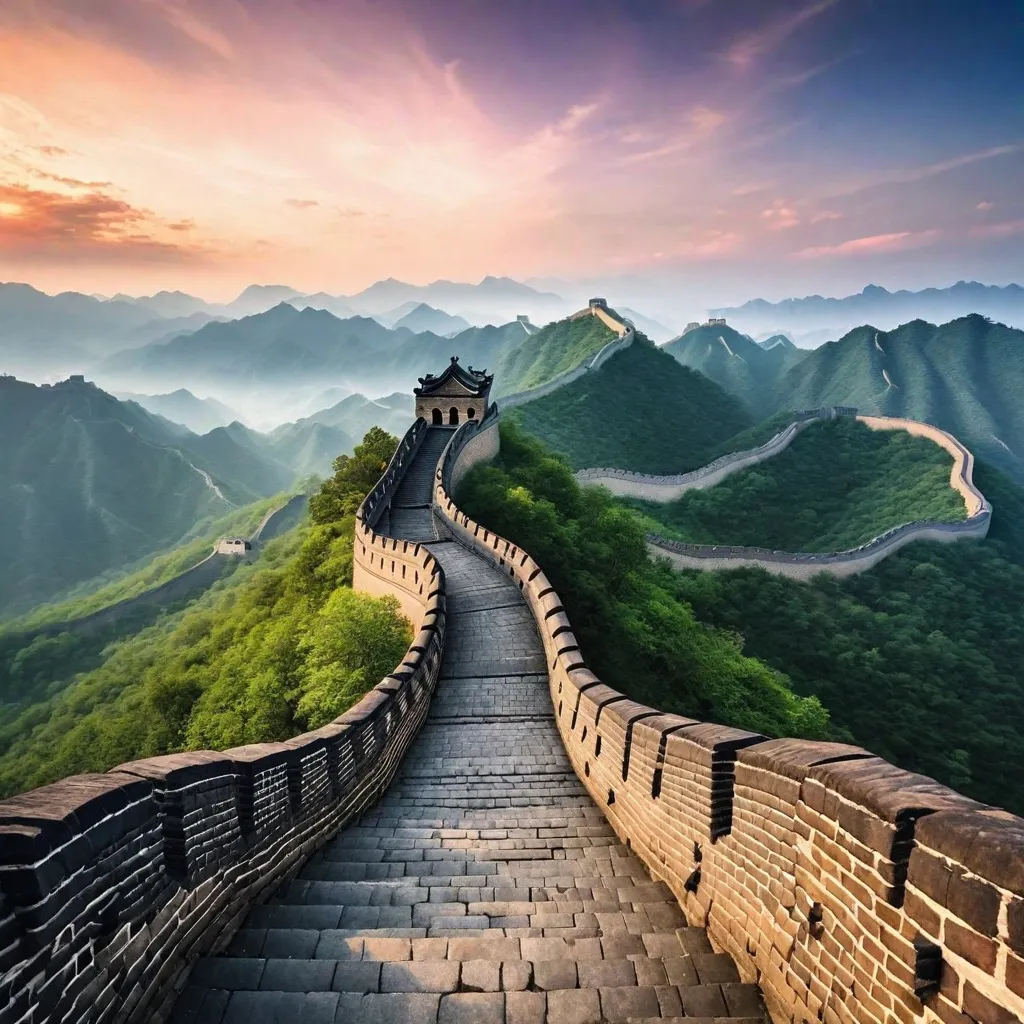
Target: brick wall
112, 884
850, 890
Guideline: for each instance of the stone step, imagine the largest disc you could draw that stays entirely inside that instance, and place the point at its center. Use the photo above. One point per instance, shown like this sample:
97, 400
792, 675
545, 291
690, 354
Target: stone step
206, 1006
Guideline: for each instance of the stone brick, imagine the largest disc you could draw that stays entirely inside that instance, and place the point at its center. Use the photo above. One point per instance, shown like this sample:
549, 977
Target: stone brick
525, 1007
481, 976
472, 1008
1015, 924
419, 976
554, 974
974, 948
983, 1010
975, 902
574, 1006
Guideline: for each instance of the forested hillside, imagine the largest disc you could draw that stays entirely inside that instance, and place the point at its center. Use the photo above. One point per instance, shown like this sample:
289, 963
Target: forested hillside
741, 366
966, 376
838, 485
276, 648
641, 410
540, 357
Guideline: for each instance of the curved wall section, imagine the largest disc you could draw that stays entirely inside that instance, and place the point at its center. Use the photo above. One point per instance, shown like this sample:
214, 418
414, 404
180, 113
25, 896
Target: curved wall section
801, 565
850, 890
112, 884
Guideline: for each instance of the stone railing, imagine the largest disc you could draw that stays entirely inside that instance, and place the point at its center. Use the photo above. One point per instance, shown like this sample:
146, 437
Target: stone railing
112, 884
802, 565
625, 335
848, 889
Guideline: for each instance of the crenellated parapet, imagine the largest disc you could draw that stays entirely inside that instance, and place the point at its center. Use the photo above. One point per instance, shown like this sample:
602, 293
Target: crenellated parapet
850, 890
112, 884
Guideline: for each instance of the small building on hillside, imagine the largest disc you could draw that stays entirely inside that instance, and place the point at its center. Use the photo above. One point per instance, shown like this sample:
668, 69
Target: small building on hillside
453, 396
599, 304
691, 326
717, 321
233, 546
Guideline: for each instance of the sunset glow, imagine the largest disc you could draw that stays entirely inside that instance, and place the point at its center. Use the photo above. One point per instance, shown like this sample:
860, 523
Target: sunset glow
165, 143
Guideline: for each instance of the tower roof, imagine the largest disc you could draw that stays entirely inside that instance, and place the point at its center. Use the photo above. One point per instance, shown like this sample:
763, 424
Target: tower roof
474, 382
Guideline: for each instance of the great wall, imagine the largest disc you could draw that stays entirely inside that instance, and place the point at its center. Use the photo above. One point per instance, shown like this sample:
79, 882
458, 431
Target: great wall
801, 565
186, 584
625, 335
497, 867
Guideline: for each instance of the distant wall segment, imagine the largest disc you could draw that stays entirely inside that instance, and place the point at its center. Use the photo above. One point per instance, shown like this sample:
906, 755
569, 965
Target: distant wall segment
850, 890
625, 336
801, 566
112, 884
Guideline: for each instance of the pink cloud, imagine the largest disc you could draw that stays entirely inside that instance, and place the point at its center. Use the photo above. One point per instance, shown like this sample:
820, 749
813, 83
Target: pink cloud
780, 215
894, 242
749, 48
1006, 229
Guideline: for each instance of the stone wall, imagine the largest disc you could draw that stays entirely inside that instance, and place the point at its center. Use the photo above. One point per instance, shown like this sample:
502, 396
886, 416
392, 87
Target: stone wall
649, 487
625, 338
195, 578
801, 565
112, 884
850, 890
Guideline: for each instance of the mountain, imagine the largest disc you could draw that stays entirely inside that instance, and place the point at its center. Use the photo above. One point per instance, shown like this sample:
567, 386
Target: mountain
89, 484
200, 415
641, 410
166, 304
777, 341
655, 331
741, 366
966, 376
493, 300
321, 300
48, 334
356, 414
552, 350
286, 347
425, 318
258, 298
876, 305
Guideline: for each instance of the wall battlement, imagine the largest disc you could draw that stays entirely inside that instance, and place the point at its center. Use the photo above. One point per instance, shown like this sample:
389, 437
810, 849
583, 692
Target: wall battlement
850, 890
112, 884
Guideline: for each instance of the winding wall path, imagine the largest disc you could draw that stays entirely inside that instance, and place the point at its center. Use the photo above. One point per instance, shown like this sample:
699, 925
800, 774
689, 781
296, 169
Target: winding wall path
801, 565
374, 870
485, 886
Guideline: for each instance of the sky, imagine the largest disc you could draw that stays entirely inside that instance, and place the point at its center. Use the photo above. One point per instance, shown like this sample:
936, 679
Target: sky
717, 149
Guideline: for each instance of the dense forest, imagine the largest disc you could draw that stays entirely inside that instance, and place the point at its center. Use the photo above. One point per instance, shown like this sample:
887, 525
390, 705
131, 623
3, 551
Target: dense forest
554, 349
636, 632
839, 484
276, 648
921, 660
641, 410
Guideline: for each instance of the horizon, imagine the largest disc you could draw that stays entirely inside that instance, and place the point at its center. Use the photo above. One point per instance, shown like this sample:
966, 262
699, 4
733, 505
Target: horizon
300, 293
776, 149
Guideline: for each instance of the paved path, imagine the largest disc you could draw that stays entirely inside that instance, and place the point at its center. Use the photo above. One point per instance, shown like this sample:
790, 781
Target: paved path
485, 887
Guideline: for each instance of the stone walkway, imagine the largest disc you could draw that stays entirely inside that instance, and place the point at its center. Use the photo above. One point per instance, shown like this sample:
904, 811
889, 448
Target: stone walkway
485, 887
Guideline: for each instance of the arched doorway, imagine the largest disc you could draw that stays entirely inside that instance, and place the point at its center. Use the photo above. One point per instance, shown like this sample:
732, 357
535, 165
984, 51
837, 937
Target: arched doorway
471, 413
453, 415
436, 418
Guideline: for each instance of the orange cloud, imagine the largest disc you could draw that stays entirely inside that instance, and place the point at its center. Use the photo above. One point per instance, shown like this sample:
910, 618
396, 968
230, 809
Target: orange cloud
34, 222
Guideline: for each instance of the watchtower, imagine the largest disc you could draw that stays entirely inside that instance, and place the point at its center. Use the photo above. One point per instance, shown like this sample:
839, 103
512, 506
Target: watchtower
453, 396
599, 304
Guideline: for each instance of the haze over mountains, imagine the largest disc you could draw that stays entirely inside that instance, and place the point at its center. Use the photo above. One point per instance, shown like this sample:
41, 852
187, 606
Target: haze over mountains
813, 320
